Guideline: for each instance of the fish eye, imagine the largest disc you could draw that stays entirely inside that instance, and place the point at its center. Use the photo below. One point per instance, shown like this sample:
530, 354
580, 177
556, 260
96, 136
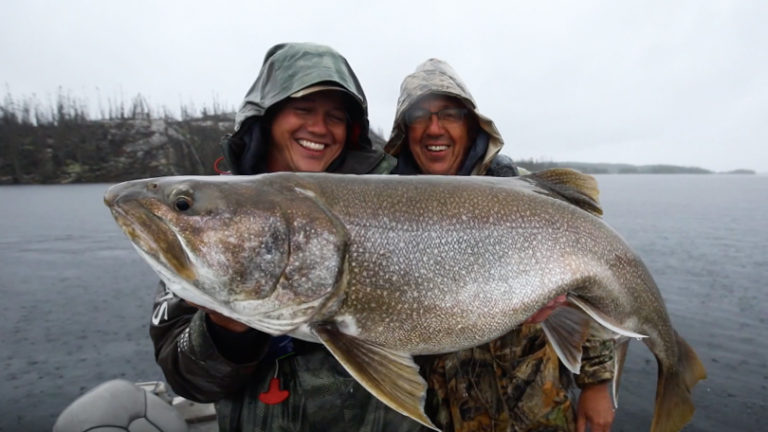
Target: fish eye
183, 203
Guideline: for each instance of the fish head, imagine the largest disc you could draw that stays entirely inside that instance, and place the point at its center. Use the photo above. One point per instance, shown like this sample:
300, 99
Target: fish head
219, 244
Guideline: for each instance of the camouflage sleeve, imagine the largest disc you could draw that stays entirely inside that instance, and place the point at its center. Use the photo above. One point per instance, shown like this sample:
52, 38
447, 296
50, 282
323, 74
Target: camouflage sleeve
191, 361
596, 362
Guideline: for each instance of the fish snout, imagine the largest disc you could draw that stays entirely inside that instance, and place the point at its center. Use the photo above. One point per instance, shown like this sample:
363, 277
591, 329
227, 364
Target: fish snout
111, 195
128, 191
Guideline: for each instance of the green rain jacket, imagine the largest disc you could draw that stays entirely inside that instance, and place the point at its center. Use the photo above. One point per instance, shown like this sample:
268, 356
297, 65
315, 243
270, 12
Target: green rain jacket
516, 382
206, 363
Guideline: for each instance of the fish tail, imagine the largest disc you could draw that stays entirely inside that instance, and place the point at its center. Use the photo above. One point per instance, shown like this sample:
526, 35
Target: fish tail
674, 407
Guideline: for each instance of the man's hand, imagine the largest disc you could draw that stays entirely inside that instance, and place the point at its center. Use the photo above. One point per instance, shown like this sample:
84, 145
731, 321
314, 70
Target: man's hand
544, 312
222, 321
595, 408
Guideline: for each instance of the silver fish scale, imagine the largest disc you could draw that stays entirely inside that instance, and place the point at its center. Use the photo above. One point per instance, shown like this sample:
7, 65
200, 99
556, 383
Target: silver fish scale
451, 265
415, 265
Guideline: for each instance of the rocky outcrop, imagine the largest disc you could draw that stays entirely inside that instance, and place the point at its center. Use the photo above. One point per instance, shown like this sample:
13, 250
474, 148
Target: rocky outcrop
110, 150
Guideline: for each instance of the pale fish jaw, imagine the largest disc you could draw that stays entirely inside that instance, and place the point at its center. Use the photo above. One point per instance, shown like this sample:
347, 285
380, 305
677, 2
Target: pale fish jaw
276, 321
178, 286
346, 323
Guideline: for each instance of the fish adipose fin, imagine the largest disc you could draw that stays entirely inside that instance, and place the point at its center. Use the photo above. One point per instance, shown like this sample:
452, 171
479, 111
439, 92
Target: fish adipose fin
674, 407
570, 185
391, 376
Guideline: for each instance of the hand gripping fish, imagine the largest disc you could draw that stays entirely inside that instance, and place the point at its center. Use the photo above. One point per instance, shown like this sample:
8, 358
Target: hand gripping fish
381, 268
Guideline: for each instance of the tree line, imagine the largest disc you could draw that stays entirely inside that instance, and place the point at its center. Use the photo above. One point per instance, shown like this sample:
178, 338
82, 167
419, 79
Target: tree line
64, 143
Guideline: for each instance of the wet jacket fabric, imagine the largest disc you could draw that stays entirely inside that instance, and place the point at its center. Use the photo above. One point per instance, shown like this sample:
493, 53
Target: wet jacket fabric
516, 382
206, 363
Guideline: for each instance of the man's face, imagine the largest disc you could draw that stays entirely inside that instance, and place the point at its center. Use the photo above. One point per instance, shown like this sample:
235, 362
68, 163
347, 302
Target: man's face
308, 133
438, 146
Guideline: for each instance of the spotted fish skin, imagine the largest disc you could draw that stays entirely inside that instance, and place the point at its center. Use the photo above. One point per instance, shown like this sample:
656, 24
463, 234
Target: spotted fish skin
380, 268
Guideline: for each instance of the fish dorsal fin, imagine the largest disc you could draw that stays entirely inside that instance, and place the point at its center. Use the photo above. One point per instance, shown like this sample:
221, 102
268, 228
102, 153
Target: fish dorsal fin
391, 376
570, 185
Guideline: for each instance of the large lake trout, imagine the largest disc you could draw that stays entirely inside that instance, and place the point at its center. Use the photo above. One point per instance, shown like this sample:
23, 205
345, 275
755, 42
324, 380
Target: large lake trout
381, 268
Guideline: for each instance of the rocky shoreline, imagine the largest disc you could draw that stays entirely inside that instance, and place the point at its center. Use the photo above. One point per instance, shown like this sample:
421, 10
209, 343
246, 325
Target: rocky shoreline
110, 150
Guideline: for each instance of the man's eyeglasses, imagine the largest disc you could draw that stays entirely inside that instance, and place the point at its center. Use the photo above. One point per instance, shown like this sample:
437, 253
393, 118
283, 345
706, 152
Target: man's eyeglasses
446, 116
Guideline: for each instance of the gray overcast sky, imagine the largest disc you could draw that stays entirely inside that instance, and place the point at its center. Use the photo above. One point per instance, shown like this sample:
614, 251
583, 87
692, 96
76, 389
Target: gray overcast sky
652, 81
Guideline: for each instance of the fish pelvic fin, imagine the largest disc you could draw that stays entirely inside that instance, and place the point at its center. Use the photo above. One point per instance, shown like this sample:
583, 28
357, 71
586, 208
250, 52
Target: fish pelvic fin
567, 327
566, 330
674, 407
602, 319
570, 185
393, 377
602, 327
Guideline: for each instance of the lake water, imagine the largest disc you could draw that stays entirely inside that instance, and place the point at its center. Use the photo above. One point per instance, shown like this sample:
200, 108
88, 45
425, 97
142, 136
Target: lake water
77, 298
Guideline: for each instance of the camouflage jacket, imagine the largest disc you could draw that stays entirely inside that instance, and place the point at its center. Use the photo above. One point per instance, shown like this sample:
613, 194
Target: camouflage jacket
516, 382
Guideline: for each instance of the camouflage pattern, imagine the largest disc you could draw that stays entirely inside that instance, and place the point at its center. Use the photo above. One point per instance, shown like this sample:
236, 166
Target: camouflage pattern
516, 382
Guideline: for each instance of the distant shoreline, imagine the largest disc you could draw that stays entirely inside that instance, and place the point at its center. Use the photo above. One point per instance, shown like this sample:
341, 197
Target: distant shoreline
621, 168
584, 167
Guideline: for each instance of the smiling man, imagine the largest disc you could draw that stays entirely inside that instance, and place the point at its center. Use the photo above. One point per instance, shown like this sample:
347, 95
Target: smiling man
516, 382
438, 128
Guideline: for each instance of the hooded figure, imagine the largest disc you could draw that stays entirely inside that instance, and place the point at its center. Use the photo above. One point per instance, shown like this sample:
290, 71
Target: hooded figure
516, 382
293, 70
259, 382
436, 77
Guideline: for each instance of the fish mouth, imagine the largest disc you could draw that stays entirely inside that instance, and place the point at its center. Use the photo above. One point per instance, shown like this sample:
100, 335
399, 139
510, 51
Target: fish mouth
153, 236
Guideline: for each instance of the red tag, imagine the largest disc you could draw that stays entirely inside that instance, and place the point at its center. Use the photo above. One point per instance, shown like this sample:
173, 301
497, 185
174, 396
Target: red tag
274, 395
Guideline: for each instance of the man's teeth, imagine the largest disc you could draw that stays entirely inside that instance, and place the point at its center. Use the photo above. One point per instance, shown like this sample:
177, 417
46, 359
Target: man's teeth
311, 145
436, 148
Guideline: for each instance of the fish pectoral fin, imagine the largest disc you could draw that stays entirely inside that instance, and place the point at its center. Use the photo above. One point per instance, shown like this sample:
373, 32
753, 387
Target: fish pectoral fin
567, 329
393, 377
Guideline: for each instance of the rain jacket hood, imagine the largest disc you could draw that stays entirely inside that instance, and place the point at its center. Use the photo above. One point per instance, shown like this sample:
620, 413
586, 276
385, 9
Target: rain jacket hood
288, 68
435, 76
